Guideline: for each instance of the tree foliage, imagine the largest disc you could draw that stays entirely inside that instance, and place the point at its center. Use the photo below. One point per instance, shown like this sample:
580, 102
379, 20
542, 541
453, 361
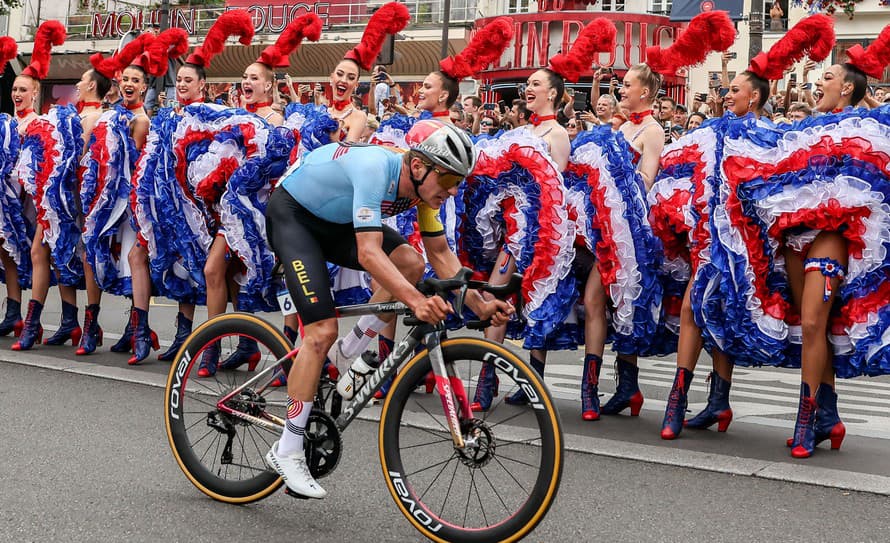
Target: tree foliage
7, 5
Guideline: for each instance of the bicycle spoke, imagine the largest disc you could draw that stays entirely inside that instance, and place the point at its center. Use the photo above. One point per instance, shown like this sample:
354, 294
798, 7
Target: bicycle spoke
517, 461
209, 432
508, 419
425, 410
436, 478
432, 432
426, 444
479, 498
524, 442
448, 492
496, 459
450, 458
496, 493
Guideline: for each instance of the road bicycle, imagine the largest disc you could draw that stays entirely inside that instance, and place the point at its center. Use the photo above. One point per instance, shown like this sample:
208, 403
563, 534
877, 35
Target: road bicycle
454, 474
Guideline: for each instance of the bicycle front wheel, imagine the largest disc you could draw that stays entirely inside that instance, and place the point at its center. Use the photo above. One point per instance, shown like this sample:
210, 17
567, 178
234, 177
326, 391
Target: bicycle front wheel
498, 489
222, 454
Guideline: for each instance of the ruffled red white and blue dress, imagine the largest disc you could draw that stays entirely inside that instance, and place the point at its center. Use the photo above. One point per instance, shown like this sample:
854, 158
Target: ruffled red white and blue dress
47, 168
16, 230
607, 199
515, 200
204, 173
108, 231
830, 173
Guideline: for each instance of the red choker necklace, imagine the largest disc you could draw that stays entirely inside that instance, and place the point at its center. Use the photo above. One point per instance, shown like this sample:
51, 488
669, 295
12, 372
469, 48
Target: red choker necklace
131, 107
637, 118
83, 105
254, 107
445, 113
24, 113
340, 105
536, 119
183, 103
837, 110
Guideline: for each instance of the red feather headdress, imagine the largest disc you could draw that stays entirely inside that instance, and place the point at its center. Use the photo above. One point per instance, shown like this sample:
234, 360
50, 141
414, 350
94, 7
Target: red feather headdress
305, 26
708, 31
812, 37
49, 33
8, 50
123, 58
236, 22
872, 60
485, 47
597, 37
389, 19
171, 43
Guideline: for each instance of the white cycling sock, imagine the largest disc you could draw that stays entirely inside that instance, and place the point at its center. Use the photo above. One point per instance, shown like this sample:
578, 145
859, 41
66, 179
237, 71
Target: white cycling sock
292, 439
363, 332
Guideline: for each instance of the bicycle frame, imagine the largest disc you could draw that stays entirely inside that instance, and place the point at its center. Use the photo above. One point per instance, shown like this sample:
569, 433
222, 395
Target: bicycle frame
448, 383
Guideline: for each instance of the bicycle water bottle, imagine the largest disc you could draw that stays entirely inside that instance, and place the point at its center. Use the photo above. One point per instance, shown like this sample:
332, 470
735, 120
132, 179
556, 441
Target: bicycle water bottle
355, 376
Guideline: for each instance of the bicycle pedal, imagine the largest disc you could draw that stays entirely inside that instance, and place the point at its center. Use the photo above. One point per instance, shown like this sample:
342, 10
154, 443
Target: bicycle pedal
293, 494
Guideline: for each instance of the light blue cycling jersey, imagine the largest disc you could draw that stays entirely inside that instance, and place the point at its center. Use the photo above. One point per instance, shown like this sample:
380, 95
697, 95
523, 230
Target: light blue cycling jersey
349, 183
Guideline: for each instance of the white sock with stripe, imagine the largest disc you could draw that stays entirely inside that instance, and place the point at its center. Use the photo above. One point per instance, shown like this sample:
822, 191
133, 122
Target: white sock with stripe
366, 329
297, 416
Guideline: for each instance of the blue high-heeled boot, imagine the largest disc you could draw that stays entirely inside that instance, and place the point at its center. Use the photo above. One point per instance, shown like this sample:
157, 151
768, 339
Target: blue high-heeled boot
519, 397
486, 388
675, 411
627, 394
209, 361
805, 426
144, 338
92, 332
32, 331
69, 328
12, 322
718, 410
828, 420
183, 329
590, 378
125, 343
248, 352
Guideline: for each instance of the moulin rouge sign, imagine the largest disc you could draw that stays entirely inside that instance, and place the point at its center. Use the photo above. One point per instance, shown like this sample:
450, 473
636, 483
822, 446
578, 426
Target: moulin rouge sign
269, 16
539, 36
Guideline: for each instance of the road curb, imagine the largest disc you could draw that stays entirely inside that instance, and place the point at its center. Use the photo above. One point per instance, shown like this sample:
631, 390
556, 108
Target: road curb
713, 462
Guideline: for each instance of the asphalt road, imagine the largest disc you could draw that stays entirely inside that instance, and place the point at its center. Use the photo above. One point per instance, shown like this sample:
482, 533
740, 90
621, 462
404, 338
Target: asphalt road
86, 459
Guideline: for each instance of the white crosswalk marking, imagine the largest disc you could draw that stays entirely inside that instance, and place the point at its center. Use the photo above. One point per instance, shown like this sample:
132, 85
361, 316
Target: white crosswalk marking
766, 396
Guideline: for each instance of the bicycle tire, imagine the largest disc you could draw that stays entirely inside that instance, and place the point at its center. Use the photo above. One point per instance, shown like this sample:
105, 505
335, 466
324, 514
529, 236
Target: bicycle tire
396, 431
184, 388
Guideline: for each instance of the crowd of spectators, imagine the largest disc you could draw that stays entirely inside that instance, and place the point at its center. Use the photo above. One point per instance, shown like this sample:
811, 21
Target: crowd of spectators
580, 111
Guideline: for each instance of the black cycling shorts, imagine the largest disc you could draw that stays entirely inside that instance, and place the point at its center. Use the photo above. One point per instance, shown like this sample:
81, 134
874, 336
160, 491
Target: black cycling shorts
304, 243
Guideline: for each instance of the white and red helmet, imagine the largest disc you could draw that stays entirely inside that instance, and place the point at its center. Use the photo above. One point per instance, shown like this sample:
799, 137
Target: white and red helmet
443, 144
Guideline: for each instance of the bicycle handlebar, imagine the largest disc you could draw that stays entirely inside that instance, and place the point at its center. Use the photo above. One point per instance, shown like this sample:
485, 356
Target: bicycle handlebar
461, 282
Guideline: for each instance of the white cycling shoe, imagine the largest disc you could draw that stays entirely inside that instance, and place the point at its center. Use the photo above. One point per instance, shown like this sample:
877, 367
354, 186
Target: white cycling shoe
295, 473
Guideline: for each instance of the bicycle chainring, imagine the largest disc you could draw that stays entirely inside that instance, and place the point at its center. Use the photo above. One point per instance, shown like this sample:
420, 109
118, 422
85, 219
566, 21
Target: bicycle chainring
323, 444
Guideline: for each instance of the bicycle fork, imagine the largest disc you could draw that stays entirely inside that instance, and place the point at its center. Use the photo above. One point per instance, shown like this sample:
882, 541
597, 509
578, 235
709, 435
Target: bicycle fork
450, 388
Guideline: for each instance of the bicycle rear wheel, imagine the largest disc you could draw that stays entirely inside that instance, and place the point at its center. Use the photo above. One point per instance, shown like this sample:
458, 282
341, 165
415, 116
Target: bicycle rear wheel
221, 454
498, 490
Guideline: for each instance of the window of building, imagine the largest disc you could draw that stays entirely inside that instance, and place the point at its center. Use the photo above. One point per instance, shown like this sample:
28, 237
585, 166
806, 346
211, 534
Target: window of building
517, 6
612, 5
839, 54
661, 7
775, 15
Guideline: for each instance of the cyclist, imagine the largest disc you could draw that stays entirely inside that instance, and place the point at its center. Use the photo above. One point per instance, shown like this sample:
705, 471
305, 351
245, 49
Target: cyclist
329, 208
